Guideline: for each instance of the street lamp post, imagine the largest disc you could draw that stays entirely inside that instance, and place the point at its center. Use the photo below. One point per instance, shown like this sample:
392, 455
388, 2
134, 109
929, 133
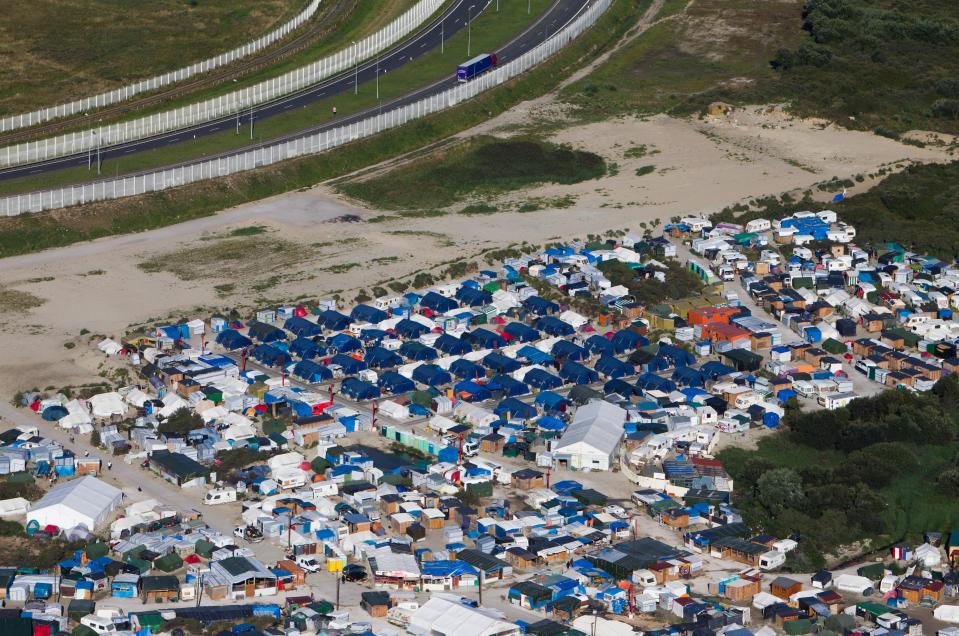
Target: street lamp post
443, 35
469, 30
356, 73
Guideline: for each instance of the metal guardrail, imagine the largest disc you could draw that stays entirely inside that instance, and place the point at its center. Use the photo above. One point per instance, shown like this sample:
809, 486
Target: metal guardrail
307, 145
124, 93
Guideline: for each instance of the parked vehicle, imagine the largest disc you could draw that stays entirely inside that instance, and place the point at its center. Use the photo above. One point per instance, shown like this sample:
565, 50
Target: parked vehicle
219, 496
251, 534
354, 573
308, 562
476, 66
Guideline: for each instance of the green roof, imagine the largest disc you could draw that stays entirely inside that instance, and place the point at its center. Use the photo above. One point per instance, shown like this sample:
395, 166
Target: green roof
160, 583
179, 464
169, 562
97, 550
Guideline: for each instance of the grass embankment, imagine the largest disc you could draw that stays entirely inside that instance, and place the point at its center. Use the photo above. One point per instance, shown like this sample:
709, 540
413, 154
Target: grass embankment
883, 469
481, 166
490, 30
58, 50
867, 64
32, 232
343, 23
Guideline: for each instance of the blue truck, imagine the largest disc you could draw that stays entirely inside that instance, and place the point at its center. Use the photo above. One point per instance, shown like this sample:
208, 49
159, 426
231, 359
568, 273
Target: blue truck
476, 66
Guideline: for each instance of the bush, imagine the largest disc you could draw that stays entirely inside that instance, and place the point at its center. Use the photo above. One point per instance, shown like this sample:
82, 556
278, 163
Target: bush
180, 423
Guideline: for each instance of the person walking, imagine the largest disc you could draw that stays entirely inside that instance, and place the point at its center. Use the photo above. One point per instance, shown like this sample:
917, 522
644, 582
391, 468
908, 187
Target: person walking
109, 465
334, 112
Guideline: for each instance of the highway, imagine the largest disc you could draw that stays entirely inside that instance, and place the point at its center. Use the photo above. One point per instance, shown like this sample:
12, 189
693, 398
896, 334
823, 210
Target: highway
453, 19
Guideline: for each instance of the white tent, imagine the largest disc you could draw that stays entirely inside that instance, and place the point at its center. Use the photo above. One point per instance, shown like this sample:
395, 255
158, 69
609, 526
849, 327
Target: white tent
442, 617
171, 404
107, 404
77, 415
592, 436
110, 347
85, 501
929, 555
947, 613
14, 507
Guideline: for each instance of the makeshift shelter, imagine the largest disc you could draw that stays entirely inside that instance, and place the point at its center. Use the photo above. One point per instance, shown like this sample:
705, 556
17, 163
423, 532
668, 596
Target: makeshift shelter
270, 356
380, 358
575, 373
231, 340
438, 303
541, 379
367, 313
485, 339
306, 349
311, 372
500, 363
431, 375
349, 364
333, 320
611, 367
417, 351
451, 345
569, 351
511, 408
592, 437
393, 383
302, 328
553, 326
359, 390
627, 340
597, 344
508, 385
470, 297
521, 332
86, 501
263, 332
343, 343
540, 306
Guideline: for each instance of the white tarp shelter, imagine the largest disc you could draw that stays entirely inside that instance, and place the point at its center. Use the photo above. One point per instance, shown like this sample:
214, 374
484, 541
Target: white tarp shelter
14, 507
592, 437
442, 617
110, 347
107, 404
86, 501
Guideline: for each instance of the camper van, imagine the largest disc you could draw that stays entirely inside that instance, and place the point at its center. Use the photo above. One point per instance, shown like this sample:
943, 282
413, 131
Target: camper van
771, 560
219, 496
99, 624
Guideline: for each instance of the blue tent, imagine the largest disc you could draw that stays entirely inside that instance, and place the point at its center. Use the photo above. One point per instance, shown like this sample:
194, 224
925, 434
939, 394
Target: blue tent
533, 355
652, 382
306, 349
451, 345
477, 392
550, 400
500, 363
621, 387
333, 320
550, 424
577, 374
366, 313
392, 382
677, 356
231, 340
688, 376
270, 356
485, 339
54, 413
540, 306
302, 328
410, 329
436, 302
263, 332
351, 366
470, 297
569, 351
521, 332
312, 372
380, 358
715, 369
344, 343
541, 379
515, 409
431, 375
467, 370
372, 336
358, 389
417, 351
554, 326
612, 367
508, 385
627, 340
597, 344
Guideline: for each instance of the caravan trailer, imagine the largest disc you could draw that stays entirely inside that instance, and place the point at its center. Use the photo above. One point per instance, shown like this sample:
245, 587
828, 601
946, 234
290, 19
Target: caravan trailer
219, 496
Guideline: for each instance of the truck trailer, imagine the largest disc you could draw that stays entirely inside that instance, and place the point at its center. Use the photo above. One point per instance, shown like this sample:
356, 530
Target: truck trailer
476, 66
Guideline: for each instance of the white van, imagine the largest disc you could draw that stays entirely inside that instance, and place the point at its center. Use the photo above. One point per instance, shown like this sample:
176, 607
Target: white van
219, 496
308, 562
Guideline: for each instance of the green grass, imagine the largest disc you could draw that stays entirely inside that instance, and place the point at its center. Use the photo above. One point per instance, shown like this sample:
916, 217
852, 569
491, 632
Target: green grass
481, 166
490, 31
644, 170
58, 50
358, 22
32, 232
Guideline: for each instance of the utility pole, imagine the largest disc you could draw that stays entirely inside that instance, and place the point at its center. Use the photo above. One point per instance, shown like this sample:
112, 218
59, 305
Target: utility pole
238, 121
469, 30
339, 577
529, 7
99, 135
481, 576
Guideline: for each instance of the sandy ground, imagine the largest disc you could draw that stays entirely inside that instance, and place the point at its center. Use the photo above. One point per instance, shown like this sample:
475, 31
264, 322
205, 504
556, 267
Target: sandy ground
700, 166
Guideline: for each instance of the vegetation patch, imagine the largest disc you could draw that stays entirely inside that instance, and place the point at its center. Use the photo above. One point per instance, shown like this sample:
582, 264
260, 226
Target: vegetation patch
484, 165
882, 469
644, 170
232, 258
16, 301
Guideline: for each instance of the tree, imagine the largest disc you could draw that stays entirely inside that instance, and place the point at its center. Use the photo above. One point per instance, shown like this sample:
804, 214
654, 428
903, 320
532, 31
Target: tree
779, 489
95, 437
181, 422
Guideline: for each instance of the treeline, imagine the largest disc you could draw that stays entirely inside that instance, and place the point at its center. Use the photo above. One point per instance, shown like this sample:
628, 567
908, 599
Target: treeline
844, 495
680, 281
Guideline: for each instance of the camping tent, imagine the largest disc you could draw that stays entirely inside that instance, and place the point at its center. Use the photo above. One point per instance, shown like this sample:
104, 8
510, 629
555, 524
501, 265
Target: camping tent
86, 501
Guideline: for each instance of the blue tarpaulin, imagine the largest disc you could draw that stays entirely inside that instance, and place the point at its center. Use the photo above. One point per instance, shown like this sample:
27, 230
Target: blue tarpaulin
542, 379
302, 328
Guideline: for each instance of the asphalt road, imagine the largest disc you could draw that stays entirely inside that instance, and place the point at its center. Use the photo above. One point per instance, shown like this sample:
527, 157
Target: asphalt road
454, 19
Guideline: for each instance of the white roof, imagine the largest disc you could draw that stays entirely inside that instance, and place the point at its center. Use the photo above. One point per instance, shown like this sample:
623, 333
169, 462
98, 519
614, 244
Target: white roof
86, 501
440, 616
107, 404
597, 425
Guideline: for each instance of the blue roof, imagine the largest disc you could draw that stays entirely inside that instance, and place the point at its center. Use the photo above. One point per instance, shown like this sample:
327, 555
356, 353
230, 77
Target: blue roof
306, 349
508, 385
522, 332
344, 343
540, 306
569, 350
500, 363
516, 409
612, 367
451, 345
431, 375
350, 365
438, 303
542, 379
393, 382
478, 392
533, 355
380, 358
367, 313
467, 370
301, 327
598, 344
554, 326
627, 340
333, 320
417, 351
231, 340
577, 373
548, 423
359, 389
407, 328
312, 372
485, 338
550, 399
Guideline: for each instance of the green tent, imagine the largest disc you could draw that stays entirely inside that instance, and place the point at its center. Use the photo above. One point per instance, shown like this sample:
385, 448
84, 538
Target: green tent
321, 607
153, 620
169, 562
142, 566
79, 608
481, 489
798, 626
833, 346
96, 550
204, 548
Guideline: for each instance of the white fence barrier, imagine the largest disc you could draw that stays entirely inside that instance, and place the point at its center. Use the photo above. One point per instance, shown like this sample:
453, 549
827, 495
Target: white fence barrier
126, 92
226, 105
310, 144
